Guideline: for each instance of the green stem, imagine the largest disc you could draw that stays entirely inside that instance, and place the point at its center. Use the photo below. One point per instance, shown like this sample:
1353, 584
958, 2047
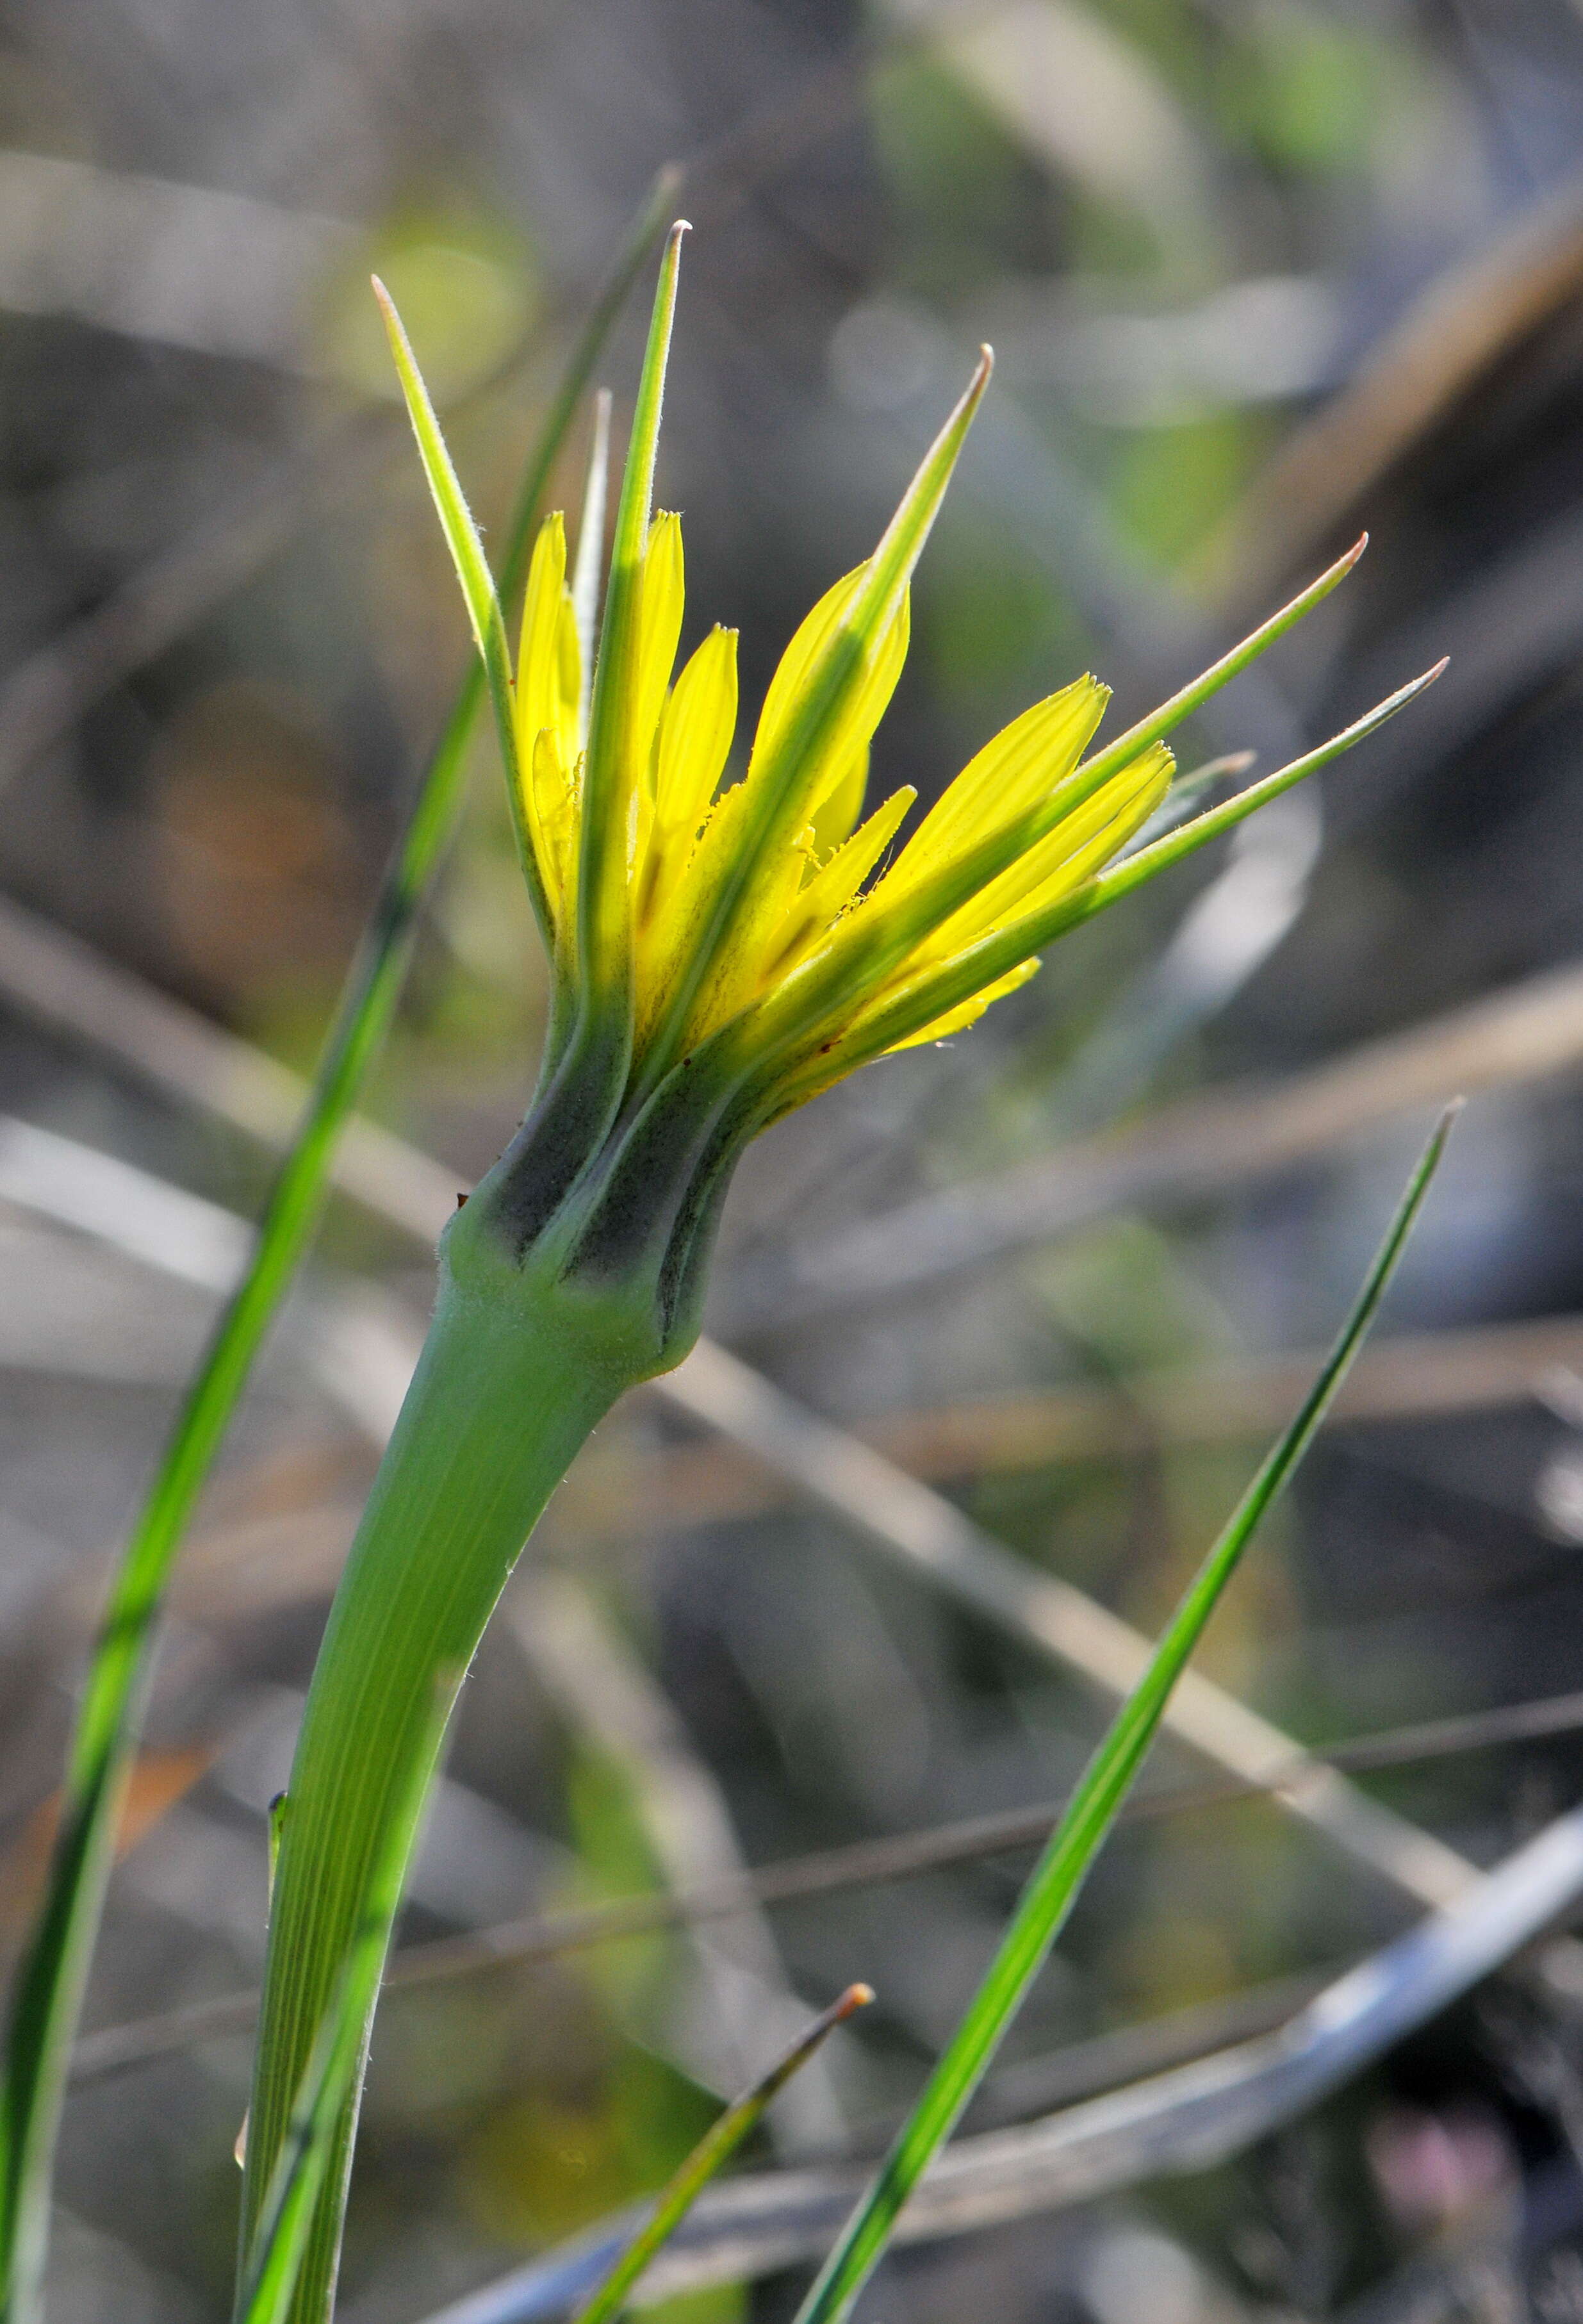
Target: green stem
47, 1996
508, 1388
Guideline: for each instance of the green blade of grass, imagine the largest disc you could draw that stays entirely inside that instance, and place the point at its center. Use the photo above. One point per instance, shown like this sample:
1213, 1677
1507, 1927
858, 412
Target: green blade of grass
274, 2261
1054, 1886
47, 1996
719, 2142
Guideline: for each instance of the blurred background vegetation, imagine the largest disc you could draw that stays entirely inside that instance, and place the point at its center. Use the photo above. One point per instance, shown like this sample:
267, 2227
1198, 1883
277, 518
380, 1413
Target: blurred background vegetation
1257, 272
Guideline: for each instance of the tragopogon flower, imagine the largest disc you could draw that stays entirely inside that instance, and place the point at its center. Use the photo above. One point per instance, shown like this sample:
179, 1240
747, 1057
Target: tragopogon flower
725, 947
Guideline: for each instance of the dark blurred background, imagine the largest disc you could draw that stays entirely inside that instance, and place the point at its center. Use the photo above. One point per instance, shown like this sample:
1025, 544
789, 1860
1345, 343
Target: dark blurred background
1258, 272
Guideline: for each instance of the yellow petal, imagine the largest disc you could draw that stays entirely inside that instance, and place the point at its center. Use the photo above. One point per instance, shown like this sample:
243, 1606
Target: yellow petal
1019, 899
695, 734
1079, 844
957, 1020
886, 959
1023, 765
570, 723
843, 803
542, 690
551, 815
865, 704
827, 895
659, 625
664, 946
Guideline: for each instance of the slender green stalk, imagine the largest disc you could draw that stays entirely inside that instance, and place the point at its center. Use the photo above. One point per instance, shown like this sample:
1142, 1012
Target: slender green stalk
47, 1998
1054, 1886
713, 2151
269, 2279
516, 1372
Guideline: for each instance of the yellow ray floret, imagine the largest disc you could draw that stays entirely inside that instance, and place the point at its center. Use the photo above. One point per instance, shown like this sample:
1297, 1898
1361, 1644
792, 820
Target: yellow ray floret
1017, 826
752, 937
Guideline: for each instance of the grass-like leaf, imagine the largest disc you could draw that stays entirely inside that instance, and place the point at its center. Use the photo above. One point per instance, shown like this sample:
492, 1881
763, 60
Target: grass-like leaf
719, 2142
47, 1996
1054, 1886
269, 2277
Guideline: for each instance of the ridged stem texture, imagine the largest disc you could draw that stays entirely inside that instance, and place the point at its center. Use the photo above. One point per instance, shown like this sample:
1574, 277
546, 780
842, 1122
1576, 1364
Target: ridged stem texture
515, 1373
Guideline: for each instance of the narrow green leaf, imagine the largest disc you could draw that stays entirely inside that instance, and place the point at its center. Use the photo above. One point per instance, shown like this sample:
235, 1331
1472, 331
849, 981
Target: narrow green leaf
1191, 696
274, 2261
47, 1996
1053, 1888
713, 2151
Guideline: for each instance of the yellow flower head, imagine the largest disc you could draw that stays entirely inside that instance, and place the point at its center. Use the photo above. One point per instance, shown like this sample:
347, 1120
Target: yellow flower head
725, 944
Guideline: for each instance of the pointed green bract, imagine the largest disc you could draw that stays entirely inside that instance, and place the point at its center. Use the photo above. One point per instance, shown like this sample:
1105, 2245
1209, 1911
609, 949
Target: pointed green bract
1194, 696
1110, 886
611, 776
1053, 1888
776, 811
478, 589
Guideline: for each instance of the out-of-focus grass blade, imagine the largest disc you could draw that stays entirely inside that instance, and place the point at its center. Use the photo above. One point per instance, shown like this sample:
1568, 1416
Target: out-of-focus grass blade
269, 2278
1056, 1881
713, 2152
47, 1996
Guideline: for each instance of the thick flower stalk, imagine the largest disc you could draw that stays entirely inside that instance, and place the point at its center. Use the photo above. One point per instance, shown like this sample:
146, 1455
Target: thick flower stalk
724, 948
